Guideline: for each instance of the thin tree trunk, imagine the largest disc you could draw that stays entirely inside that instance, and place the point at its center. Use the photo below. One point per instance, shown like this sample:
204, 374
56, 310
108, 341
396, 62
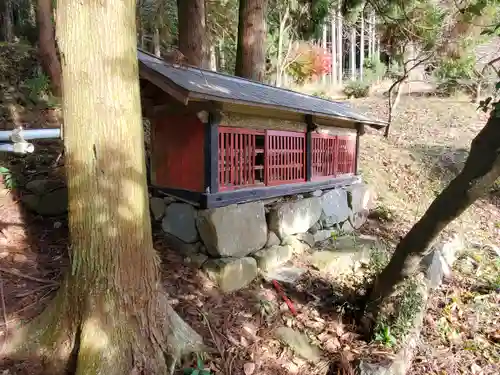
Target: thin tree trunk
334, 50
47, 46
481, 170
352, 56
251, 50
323, 45
370, 29
8, 26
372, 34
192, 32
280, 63
213, 58
111, 313
340, 43
362, 47
222, 59
156, 42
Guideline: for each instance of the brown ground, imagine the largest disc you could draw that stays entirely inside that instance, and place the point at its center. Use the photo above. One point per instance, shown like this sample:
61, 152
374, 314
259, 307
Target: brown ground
238, 326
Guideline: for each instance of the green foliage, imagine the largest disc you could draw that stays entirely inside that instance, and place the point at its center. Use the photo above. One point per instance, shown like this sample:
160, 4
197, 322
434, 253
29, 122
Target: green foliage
384, 336
8, 178
17, 61
199, 370
394, 71
379, 258
408, 304
418, 21
38, 86
357, 89
453, 75
374, 70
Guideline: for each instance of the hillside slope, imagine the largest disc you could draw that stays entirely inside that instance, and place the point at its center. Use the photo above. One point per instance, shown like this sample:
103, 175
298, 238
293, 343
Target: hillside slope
426, 149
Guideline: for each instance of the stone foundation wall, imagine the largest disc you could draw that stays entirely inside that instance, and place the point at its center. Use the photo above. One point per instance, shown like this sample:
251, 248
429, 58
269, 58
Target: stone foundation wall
232, 243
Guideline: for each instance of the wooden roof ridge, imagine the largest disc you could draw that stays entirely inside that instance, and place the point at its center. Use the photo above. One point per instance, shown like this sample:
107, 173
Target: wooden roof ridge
185, 82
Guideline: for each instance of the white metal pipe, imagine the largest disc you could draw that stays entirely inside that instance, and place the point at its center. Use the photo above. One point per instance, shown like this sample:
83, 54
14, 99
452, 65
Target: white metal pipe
18, 148
31, 134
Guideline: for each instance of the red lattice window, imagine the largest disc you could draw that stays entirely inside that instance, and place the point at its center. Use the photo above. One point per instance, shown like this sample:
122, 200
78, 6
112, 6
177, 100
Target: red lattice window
241, 158
346, 155
332, 155
323, 155
285, 157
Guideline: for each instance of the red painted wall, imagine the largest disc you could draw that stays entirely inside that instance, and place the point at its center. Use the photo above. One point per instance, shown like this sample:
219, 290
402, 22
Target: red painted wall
178, 152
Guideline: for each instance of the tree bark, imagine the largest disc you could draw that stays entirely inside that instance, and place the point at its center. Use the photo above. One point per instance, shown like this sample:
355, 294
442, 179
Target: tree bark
352, 56
362, 46
340, 44
323, 45
8, 26
192, 32
481, 170
251, 50
156, 42
333, 30
47, 46
111, 313
281, 36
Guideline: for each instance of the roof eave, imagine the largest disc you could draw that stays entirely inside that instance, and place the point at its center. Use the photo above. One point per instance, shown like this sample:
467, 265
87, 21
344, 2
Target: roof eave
201, 96
167, 85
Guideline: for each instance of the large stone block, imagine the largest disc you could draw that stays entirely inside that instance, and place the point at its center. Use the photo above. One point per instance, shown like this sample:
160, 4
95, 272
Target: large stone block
335, 207
438, 263
157, 207
362, 197
273, 257
180, 221
231, 274
233, 231
294, 217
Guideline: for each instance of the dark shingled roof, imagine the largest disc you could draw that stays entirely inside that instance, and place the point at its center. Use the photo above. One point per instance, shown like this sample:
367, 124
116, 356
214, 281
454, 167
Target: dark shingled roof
209, 85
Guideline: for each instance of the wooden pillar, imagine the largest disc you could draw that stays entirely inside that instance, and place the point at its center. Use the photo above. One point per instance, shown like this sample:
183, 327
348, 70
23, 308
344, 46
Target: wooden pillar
310, 127
360, 130
212, 153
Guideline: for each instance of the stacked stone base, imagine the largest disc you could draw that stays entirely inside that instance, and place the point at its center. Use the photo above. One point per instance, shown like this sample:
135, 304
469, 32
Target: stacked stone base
232, 243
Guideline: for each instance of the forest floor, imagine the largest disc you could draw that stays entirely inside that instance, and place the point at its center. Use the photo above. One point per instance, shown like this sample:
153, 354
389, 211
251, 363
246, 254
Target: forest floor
461, 333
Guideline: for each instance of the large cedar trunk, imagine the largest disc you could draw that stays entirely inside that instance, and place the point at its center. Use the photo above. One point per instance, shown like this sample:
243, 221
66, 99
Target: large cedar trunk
192, 32
481, 170
47, 46
8, 25
251, 51
111, 313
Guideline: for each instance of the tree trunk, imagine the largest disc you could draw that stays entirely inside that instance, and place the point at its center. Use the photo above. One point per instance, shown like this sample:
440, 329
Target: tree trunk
213, 58
362, 47
370, 30
481, 170
111, 313
251, 50
192, 31
333, 31
47, 46
8, 27
221, 63
352, 57
323, 45
281, 37
340, 43
156, 42
372, 33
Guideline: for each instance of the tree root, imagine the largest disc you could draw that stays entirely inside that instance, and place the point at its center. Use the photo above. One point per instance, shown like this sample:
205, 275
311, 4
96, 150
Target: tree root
108, 339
